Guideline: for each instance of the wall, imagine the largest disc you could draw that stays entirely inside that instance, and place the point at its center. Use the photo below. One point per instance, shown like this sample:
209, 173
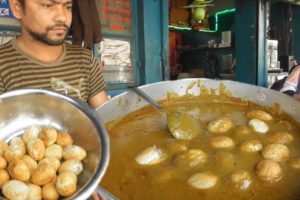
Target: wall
279, 19
246, 41
296, 32
152, 38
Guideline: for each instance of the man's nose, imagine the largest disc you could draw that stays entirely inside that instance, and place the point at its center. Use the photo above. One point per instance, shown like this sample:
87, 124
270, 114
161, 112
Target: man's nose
61, 14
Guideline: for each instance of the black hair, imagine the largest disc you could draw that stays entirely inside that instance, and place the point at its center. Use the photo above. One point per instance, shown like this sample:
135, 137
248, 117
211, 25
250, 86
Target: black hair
22, 2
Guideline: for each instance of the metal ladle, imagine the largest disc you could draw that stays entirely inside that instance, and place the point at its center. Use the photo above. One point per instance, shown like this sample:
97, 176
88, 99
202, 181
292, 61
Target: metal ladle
181, 125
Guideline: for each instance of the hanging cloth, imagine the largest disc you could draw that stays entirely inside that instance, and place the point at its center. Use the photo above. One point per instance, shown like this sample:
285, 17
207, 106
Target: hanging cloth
86, 25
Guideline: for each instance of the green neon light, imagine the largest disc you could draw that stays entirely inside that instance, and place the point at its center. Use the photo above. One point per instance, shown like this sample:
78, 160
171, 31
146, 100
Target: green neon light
180, 28
223, 12
207, 31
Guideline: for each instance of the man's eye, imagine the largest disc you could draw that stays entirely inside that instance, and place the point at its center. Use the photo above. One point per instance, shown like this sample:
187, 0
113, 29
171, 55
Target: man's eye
47, 5
69, 7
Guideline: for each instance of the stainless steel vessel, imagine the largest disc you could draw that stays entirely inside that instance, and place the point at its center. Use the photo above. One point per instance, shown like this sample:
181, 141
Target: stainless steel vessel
22, 108
127, 102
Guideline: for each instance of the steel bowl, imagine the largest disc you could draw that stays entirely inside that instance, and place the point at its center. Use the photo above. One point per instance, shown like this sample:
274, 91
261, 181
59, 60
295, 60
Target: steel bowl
24, 107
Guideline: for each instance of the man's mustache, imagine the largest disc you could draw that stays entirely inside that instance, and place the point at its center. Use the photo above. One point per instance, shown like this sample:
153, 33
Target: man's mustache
59, 26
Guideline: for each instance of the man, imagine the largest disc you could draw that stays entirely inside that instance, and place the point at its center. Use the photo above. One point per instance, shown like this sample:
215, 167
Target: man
40, 58
292, 83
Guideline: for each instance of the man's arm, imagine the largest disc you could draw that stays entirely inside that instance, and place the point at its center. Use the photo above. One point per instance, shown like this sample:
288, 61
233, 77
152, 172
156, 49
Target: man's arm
96, 85
98, 99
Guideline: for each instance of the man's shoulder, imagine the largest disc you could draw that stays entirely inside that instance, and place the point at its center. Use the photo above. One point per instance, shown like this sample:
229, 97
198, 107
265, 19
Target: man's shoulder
79, 53
7, 51
77, 49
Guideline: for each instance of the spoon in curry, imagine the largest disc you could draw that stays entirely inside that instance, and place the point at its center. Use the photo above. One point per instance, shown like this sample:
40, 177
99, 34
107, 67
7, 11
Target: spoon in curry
181, 124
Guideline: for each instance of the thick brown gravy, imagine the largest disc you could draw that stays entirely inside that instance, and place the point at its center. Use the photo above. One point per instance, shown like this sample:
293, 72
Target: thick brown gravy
126, 179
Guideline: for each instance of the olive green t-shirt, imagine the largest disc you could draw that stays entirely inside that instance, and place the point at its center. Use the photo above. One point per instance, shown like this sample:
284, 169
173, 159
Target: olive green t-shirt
75, 73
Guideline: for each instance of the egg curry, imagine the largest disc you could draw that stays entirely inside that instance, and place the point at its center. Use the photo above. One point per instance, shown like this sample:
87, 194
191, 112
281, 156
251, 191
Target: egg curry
240, 151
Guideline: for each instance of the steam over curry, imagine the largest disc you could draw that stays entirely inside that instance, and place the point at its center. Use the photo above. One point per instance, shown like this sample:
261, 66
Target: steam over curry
240, 151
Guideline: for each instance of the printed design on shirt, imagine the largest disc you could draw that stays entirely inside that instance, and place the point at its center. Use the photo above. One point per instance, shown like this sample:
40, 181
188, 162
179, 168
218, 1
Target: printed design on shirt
63, 87
289, 86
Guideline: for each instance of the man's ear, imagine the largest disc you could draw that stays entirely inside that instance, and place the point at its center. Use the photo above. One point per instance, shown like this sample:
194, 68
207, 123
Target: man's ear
16, 8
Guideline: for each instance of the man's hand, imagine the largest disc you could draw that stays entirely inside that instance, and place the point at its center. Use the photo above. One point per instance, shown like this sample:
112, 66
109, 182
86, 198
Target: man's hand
96, 196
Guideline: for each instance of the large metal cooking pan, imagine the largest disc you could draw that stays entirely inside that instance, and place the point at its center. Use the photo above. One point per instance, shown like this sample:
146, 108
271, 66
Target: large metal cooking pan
127, 102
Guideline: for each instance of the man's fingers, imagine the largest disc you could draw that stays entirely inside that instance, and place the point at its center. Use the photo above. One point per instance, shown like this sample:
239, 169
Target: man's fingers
95, 196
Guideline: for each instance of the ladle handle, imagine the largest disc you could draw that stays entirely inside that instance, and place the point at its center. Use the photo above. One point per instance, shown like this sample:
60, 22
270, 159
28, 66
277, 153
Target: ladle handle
146, 97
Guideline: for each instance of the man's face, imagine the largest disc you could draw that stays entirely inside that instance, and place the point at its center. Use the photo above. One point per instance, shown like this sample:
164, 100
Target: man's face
47, 21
